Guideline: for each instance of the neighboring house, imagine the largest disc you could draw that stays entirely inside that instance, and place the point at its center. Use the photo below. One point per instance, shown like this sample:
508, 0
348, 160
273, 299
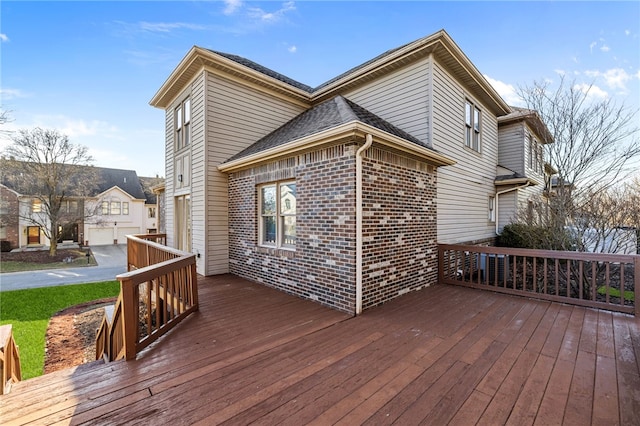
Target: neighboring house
522, 173
9, 222
150, 187
338, 193
115, 208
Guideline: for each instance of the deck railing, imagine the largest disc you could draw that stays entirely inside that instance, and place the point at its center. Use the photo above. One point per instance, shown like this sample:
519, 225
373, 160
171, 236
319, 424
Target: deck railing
158, 292
604, 281
9, 359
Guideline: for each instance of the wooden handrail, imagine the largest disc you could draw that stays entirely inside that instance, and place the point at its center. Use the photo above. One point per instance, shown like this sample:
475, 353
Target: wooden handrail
597, 280
9, 358
158, 292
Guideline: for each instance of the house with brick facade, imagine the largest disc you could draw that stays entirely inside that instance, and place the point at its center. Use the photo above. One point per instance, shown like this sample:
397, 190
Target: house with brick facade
116, 206
337, 193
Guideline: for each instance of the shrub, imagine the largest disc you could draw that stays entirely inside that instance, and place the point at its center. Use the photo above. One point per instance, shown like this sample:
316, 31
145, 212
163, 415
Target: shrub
519, 235
5, 246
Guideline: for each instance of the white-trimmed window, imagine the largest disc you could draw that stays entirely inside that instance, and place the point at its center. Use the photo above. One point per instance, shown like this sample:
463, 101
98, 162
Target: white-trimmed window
104, 207
492, 208
183, 124
36, 206
125, 207
114, 207
151, 212
277, 209
472, 119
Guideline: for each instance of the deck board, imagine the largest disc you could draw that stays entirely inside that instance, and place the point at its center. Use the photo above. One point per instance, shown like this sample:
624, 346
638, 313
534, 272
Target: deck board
444, 355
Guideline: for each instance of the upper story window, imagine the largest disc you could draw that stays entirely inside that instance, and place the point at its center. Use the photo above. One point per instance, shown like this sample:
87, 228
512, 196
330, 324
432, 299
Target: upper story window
277, 221
70, 206
472, 118
125, 207
151, 212
114, 208
536, 160
183, 124
36, 206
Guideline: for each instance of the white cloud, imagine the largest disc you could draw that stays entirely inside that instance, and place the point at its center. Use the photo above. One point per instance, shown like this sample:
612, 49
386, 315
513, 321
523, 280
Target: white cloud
272, 17
592, 91
4, 38
615, 78
74, 127
506, 90
592, 45
627, 32
605, 48
560, 72
292, 49
167, 27
231, 6
7, 94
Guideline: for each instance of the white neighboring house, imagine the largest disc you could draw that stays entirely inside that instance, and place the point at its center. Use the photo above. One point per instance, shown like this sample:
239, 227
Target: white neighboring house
118, 208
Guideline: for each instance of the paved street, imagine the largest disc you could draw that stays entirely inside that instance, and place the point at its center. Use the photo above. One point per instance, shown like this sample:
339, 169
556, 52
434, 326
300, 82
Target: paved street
112, 260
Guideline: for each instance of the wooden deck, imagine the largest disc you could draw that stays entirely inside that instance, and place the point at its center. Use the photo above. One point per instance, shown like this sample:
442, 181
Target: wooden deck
445, 355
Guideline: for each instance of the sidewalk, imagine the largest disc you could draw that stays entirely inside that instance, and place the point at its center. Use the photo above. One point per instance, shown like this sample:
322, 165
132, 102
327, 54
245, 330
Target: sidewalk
111, 259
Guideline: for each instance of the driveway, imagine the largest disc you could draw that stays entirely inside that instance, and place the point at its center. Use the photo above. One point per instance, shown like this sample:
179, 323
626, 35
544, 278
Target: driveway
112, 260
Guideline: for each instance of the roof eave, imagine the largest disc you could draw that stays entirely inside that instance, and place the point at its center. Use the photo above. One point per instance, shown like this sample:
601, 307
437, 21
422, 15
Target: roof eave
198, 58
517, 181
352, 128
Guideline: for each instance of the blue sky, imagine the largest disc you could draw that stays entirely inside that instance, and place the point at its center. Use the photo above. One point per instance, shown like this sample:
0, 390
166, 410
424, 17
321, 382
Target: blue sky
89, 69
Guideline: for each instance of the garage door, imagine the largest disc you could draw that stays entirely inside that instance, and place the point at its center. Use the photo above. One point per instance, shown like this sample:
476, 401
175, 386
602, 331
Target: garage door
100, 236
123, 232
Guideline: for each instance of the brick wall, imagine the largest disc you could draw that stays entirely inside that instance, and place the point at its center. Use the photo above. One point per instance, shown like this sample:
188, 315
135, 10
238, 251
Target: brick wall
322, 267
399, 226
9, 217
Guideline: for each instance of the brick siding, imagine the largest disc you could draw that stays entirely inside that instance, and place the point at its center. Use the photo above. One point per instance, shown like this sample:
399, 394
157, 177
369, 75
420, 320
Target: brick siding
9, 216
399, 227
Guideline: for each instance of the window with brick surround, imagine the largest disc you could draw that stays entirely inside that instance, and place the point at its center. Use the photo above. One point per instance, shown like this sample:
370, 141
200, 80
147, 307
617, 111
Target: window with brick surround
472, 126
277, 209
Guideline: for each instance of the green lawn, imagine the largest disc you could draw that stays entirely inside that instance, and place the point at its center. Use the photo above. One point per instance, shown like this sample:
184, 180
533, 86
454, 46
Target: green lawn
30, 310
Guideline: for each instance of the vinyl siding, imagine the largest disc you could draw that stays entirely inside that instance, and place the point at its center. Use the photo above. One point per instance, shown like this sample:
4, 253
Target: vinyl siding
506, 209
464, 188
401, 98
169, 176
198, 172
236, 117
511, 142
529, 171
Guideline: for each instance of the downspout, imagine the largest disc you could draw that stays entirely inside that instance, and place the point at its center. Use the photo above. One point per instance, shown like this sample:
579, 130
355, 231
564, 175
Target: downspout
498, 194
359, 153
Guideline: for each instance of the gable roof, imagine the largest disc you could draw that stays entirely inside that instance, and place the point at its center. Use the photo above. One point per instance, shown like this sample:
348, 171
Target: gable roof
148, 183
439, 44
331, 120
530, 117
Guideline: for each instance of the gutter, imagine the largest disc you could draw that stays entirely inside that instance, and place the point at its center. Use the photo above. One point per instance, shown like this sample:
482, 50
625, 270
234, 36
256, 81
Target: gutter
367, 144
504, 191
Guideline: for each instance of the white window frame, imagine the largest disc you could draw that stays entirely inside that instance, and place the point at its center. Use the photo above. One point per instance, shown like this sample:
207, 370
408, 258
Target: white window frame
492, 208
473, 126
115, 206
279, 217
125, 208
182, 124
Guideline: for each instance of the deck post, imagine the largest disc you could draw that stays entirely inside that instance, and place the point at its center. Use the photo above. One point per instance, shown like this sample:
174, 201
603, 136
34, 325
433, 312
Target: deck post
130, 309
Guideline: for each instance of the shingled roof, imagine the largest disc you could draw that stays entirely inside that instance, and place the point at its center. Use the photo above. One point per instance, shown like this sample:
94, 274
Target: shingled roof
127, 180
324, 116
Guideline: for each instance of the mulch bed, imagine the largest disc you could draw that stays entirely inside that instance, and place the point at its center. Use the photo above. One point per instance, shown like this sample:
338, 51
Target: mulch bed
71, 335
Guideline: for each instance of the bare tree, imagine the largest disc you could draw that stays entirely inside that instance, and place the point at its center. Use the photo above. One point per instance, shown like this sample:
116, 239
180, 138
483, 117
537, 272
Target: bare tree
595, 147
54, 174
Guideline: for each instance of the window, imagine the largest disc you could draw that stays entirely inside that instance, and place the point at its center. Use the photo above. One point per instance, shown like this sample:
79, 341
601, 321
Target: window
125, 207
151, 211
115, 207
492, 209
277, 222
472, 126
104, 207
183, 124
36, 206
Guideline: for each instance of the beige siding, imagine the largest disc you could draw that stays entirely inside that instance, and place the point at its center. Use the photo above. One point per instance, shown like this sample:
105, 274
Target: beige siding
531, 172
400, 98
237, 116
464, 188
506, 209
169, 176
198, 171
511, 141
